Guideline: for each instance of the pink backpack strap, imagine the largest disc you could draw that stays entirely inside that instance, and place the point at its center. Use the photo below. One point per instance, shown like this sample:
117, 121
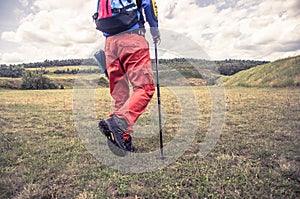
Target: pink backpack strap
104, 9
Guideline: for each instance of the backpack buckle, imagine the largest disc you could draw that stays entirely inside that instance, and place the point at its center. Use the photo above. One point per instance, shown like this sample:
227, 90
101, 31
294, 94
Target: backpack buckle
95, 16
116, 10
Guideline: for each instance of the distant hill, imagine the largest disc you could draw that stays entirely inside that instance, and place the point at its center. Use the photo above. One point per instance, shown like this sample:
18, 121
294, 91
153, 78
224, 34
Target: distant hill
175, 72
280, 73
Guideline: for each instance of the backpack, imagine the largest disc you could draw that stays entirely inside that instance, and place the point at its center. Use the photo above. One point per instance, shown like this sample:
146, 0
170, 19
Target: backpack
115, 16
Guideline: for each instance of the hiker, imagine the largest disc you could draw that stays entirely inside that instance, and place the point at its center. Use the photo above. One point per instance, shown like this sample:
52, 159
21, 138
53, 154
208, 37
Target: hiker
127, 62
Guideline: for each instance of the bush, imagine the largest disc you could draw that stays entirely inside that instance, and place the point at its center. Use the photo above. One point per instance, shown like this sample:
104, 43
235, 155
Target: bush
11, 71
103, 82
35, 80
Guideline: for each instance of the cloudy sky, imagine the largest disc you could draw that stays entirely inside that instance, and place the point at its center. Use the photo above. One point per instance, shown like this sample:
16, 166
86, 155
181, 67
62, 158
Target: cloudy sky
35, 30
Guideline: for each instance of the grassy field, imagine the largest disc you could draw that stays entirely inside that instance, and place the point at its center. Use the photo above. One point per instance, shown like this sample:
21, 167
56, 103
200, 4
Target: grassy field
280, 73
67, 80
256, 156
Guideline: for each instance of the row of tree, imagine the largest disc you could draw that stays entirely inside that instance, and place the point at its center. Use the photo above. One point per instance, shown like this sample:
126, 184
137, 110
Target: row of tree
187, 66
230, 67
76, 71
68, 62
12, 71
225, 67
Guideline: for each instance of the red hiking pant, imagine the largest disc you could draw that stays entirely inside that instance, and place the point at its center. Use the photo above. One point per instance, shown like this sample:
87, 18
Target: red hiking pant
128, 61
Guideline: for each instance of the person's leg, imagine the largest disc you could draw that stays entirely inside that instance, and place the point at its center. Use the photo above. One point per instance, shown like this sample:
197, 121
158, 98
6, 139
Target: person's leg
113, 127
127, 56
135, 57
118, 81
120, 93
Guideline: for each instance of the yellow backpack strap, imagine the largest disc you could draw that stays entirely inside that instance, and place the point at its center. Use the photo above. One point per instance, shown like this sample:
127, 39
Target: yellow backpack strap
153, 2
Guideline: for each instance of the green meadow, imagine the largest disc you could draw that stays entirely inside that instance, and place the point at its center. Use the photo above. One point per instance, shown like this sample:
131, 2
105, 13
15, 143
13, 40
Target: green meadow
256, 156
51, 147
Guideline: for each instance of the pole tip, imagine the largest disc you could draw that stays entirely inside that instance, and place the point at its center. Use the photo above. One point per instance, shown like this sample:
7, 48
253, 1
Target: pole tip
162, 157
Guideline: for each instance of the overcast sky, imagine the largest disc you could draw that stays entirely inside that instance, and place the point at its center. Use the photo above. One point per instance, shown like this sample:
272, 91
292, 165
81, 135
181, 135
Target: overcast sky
35, 30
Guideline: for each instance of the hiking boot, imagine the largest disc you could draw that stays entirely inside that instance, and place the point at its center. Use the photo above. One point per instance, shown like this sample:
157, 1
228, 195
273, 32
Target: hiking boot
128, 145
116, 149
114, 134
119, 152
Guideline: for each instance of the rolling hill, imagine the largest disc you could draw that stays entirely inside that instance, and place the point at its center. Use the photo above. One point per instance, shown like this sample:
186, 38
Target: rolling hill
280, 73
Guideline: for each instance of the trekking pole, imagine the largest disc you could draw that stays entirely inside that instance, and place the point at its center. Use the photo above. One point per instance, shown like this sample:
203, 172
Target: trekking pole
158, 102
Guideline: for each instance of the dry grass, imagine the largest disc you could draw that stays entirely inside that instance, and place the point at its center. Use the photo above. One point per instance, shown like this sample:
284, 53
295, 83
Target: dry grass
257, 155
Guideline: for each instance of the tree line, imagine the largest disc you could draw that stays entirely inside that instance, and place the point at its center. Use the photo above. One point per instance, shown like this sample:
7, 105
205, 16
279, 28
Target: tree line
230, 67
13, 71
224, 67
187, 66
68, 62
76, 71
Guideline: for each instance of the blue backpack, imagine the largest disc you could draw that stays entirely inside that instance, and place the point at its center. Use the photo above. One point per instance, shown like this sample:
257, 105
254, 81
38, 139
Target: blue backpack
115, 16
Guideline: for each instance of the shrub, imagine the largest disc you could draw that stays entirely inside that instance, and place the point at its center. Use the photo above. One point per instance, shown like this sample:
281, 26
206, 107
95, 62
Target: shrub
103, 82
35, 80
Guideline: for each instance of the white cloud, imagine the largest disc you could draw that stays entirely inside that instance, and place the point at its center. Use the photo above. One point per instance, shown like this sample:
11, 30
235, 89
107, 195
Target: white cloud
9, 36
55, 30
248, 29
24, 2
241, 29
13, 57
